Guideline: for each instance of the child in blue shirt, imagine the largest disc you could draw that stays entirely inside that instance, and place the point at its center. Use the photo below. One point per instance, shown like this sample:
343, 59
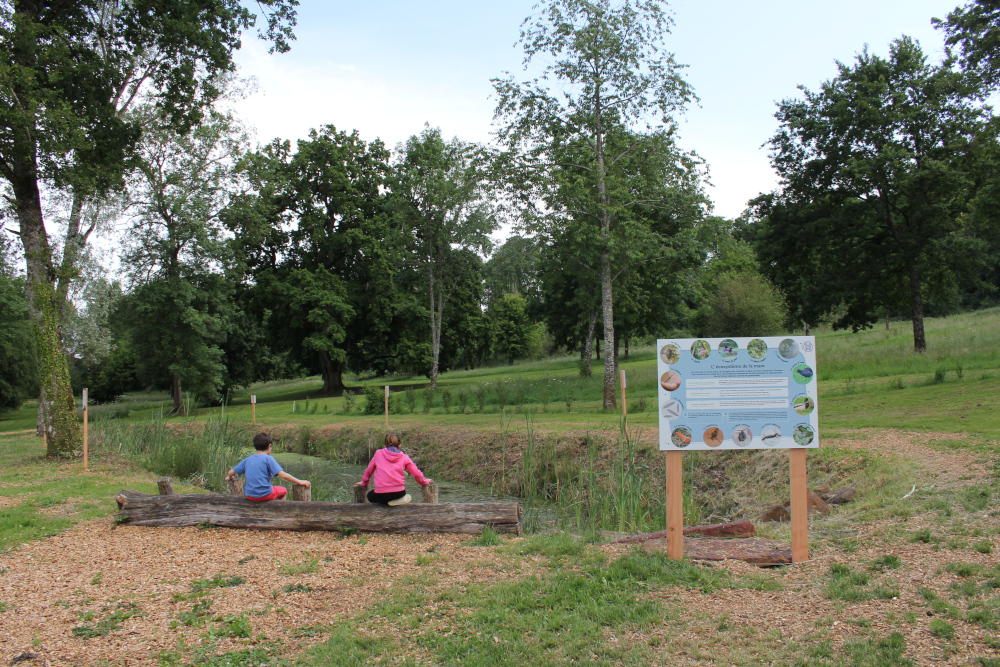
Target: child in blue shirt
259, 468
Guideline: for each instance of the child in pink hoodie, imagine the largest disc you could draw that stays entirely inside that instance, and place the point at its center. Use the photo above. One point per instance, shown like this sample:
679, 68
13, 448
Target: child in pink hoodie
389, 465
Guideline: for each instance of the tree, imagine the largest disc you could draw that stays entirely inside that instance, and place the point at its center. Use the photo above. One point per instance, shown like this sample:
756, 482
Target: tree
975, 30
443, 207
513, 269
516, 336
323, 206
742, 303
574, 125
176, 247
66, 64
878, 170
18, 377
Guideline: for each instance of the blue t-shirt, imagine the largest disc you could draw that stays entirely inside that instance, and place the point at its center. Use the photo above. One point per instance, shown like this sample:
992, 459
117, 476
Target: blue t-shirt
259, 469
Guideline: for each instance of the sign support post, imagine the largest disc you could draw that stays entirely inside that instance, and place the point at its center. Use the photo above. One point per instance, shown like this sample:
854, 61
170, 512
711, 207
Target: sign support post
253, 408
675, 505
800, 508
85, 430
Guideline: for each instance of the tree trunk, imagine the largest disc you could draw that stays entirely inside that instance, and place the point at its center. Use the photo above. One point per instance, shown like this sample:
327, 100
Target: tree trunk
616, 352
626, 348
332, 373
609, 331
588, 348
886, 319
58, 411
175, 392
917, 309
437, 313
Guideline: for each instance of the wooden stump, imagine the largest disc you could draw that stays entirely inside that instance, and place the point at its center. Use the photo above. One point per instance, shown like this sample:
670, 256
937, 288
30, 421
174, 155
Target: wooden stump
360, 493
166, 486
301, 492
430, 492
235, 486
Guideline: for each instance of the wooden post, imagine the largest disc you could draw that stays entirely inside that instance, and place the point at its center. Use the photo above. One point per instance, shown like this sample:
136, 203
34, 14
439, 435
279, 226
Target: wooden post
85, 430
387, 407
235, 486
430, 492
165, 486
301, 492
675, 505
624, 410
800, 507
360, 493
253, 408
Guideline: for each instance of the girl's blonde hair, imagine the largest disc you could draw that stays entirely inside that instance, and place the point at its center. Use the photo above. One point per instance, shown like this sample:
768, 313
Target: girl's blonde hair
392, 440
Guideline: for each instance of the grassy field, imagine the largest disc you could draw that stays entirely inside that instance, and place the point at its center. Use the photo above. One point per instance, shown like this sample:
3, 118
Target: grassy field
925, 514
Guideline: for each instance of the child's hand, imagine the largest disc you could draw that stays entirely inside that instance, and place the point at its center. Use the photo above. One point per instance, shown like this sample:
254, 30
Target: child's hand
306, 483
361, 484
429, 481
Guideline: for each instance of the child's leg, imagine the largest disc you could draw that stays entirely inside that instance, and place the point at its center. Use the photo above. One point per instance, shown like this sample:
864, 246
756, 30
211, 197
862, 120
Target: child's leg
277, 493
384, 498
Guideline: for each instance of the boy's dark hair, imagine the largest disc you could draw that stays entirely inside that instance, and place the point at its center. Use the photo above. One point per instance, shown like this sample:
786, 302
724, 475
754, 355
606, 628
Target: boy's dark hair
262, 441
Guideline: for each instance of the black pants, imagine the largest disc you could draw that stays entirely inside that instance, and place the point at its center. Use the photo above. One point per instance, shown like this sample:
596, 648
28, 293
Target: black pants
384, 498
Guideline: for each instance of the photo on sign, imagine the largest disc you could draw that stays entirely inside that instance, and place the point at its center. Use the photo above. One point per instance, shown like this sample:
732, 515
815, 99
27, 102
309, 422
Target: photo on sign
770, 435
757, 349
788, 349
803, 434
672, 409
804, 405
670, 380
700, 350
802, 374
713, 436
742, 436
670, 354
681, 436
728, 349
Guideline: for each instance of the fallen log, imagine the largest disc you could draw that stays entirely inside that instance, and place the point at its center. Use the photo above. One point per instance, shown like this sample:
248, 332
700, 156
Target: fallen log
754, 550
732, 529
139, 509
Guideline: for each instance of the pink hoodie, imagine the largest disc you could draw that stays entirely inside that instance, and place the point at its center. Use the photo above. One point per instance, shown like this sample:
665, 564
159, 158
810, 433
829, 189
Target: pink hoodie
389, 467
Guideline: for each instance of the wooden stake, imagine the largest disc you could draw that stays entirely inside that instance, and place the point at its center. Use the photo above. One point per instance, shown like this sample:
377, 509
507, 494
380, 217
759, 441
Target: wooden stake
301, 492
165, 486
800, 507
235, 486
430, 492
675, 505
253, 408
387, 407
85, 430
360, 493
624, 410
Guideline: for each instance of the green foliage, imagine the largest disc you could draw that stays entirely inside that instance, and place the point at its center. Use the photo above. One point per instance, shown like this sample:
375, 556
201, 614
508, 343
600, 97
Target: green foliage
488, 538
743, 304
942, 629
887, 652
374, 400
217, 581
18, 372
293, 569
110, 623
913, 134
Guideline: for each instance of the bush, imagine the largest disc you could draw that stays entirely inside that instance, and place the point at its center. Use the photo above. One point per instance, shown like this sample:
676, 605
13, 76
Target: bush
744, 303
411, 400
374, 400
446, 399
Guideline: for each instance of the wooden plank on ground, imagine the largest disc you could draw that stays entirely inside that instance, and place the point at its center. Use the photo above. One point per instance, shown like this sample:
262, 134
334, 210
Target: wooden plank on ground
753, 550
234, 512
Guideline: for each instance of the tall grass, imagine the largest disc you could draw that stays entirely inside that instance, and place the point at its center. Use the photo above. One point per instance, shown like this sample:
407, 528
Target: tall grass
191, 451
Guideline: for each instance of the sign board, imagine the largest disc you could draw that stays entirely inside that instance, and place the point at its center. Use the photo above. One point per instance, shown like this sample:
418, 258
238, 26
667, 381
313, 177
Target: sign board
737, 393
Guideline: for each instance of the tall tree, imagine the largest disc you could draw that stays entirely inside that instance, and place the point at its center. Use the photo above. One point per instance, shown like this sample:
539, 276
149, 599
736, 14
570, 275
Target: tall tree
322, 206
66, 64
608, 73
878, 169
443, 206
17, 360
176, 247
975, 30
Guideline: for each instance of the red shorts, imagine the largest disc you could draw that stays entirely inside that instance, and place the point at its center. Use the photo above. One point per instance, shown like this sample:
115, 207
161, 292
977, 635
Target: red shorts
277, 493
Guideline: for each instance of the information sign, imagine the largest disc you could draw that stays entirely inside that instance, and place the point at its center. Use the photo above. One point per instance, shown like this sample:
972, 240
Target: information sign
737, 393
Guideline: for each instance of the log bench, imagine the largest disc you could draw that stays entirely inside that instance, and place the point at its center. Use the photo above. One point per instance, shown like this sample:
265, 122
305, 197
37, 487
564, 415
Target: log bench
231, 511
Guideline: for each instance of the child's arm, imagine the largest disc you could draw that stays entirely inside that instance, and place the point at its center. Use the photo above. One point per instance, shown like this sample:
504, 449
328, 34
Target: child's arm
414, 471
288, 478
368, 473
231, 474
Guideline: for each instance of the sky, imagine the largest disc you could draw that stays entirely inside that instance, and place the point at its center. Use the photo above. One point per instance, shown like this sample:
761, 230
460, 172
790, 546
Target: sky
387, 67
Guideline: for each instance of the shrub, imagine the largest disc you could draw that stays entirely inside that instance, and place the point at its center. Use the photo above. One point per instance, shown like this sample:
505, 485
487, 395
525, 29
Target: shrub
349, 400
411, 400
446, 399
744, 303
374, 400
428, 400
463, 400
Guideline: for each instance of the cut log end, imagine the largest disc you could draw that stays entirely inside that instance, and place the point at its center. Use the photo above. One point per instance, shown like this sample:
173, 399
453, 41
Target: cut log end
430, 493
165, 486
301, 493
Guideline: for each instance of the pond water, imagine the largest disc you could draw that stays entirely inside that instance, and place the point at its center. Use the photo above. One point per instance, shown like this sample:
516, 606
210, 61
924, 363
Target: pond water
333, 481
